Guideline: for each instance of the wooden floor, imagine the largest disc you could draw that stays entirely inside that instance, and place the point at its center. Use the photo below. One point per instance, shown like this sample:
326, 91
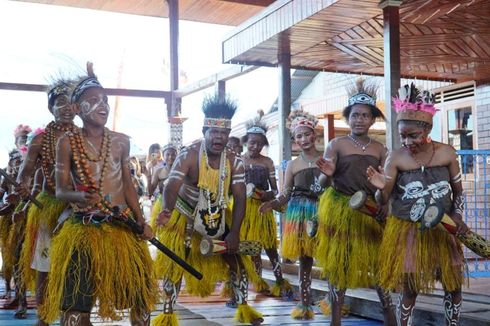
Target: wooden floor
194, 311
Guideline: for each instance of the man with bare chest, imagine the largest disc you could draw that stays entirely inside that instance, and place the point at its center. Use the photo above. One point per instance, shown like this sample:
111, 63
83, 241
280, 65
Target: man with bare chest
93, 258
41, 223
196, 204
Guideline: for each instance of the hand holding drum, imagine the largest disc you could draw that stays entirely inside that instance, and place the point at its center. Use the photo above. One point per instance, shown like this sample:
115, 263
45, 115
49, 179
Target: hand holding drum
365, 204
434, 216
210, 247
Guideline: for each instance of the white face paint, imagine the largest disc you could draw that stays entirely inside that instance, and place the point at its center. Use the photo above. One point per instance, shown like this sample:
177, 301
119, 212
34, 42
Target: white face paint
89, 105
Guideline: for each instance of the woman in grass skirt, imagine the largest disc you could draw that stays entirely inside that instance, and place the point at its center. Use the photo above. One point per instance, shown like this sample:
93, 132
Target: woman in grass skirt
421, 173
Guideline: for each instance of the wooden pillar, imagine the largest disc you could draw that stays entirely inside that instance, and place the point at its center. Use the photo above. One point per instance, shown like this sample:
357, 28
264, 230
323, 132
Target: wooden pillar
391, 37
174, 107
220, 88
284, 105
173, 18
328, 128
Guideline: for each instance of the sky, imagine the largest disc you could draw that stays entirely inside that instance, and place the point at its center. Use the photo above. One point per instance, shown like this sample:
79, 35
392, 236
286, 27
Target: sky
40, 42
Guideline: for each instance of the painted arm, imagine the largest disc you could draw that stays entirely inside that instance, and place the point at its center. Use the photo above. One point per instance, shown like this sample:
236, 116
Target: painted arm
28, 166
38, 183
457, 209
129, 191
174, 181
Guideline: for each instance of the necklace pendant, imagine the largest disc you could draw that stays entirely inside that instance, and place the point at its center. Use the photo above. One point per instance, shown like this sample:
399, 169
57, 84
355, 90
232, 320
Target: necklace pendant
363, 148
422, 168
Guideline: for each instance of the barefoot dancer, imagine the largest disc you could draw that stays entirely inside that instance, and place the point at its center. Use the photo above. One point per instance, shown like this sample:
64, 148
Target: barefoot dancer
94, 259
34, 262
300, 192
260, 175
196, 204
419, 173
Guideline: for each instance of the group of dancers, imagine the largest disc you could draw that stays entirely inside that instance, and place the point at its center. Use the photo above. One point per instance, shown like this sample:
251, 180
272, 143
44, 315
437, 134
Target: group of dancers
70, 246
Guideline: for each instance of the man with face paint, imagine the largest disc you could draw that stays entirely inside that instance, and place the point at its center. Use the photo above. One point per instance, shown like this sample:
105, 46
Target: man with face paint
260, 176
93, 258
348, 240
196, 204
42, 222
300, 192
420, 173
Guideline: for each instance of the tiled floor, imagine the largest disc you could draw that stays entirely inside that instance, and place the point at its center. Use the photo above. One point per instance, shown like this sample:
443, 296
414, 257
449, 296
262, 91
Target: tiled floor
194, 311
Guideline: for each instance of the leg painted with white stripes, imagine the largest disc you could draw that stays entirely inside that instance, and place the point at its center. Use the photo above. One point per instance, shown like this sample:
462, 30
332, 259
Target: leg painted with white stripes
452, 307
406, 305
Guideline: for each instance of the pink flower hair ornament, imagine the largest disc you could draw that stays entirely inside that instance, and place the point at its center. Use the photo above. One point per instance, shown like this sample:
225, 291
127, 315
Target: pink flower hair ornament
412, 104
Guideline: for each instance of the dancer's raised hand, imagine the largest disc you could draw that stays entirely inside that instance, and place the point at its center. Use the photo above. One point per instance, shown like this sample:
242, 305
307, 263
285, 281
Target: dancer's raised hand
376, 177
326, 165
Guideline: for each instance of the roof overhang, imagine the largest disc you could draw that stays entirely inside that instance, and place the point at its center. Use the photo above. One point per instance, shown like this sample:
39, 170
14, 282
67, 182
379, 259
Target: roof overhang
441, 40
223, 12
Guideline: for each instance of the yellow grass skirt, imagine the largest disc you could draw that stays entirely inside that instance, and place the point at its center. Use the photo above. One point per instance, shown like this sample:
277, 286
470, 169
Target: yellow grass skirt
6, 227
420, 257
120, 268
259, 227
214, 268
15, 237
295, 241
35, 216
155, 210
348, 243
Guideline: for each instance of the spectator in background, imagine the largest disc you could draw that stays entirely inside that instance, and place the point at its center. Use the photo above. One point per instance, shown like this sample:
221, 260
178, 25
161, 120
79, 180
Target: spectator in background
139, 179
153, 160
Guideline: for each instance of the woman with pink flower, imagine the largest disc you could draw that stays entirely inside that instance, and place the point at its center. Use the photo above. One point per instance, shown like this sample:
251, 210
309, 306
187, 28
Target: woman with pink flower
421, 173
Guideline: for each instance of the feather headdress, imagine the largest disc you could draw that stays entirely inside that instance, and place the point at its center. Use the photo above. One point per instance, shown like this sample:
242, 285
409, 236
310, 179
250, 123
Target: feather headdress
85, 82
363, 91
58, 85
414, 104
300, 118
218, 111
256, 125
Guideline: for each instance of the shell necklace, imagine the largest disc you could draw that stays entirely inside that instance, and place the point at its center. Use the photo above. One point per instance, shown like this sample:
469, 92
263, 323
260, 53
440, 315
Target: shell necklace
356, 142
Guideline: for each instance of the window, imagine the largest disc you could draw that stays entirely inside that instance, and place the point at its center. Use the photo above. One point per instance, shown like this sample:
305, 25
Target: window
460, 128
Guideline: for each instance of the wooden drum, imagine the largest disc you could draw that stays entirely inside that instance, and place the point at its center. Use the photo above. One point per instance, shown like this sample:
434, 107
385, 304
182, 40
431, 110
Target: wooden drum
362, 202
210, 247
434, 216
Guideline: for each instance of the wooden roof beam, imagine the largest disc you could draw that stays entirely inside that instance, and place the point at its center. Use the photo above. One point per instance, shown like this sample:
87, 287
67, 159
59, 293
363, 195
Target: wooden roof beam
109, 91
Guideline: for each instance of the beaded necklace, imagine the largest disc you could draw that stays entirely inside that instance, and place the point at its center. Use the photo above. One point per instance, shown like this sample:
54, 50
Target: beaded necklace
81, 157
48, 150
220, 198
363, 147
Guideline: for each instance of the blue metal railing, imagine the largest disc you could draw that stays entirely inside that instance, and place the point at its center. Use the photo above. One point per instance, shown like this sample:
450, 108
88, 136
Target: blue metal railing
476, 185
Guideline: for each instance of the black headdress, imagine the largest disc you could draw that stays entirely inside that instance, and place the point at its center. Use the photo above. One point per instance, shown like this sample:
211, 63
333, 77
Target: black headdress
85, 83
218, 111
58, 87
